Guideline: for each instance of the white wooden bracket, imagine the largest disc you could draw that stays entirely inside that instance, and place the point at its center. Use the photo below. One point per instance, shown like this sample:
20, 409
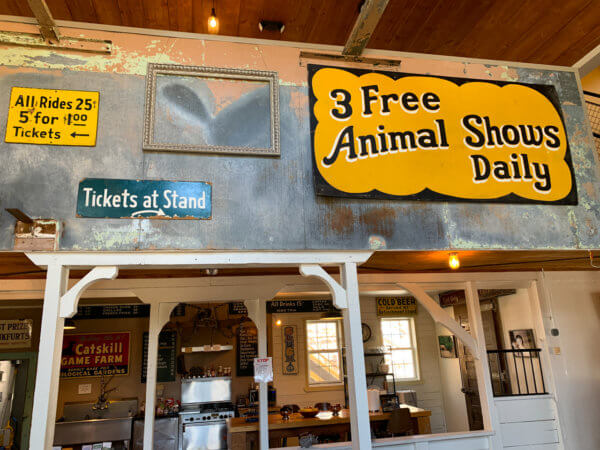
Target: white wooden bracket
257, 311
70, 300
338, 292
441, 316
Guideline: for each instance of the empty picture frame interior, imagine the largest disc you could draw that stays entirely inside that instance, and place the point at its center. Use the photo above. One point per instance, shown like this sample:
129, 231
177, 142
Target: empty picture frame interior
211, 110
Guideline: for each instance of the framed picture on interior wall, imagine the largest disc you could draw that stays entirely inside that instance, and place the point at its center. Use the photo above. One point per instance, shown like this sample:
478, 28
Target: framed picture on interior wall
522, 339
447, 346
289, 345
201, 109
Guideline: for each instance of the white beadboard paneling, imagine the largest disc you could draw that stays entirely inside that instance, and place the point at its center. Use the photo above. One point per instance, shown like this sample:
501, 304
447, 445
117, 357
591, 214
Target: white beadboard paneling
437, 442
536, 447
529, 433
525, 409
480, 443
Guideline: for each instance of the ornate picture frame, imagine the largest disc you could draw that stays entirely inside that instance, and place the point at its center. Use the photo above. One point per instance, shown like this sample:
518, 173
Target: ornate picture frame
268, 77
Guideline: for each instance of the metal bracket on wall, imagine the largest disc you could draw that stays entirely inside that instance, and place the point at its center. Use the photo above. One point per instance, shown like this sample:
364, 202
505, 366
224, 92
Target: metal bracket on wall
334, 57
65, 43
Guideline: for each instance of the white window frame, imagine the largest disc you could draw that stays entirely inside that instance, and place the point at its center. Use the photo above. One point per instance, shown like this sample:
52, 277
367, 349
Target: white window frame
414, 348
310, 384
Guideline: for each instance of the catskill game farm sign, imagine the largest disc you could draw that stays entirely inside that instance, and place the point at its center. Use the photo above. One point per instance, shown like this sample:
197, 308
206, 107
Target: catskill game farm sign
93, 355
415, 137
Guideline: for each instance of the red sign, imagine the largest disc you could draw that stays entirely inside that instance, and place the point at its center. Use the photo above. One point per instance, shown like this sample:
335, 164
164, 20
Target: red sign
93, 355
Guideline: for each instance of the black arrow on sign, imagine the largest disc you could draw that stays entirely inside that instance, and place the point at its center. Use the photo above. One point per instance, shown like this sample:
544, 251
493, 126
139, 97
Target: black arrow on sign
74, 134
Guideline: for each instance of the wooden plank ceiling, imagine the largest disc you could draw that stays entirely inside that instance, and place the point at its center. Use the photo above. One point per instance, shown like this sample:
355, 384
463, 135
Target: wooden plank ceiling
534, 31
15, 265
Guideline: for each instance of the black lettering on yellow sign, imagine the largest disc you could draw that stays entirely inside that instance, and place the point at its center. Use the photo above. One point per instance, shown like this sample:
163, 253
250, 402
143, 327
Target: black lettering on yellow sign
52, 117
412, 137
396, 306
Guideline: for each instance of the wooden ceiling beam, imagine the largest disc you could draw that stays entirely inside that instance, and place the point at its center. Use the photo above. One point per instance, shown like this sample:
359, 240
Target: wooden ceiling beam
368, 18
48, 28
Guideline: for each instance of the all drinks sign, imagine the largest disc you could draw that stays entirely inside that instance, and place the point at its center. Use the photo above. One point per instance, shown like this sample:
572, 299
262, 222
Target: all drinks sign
414, 137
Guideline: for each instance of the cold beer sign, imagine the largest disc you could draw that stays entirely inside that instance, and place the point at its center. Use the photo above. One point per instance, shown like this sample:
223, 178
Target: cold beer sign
414, 137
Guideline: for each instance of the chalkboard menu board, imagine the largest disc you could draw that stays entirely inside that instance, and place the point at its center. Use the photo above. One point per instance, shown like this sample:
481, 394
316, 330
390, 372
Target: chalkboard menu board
299, 306
247, 350
238, 308
112, 311
167, 355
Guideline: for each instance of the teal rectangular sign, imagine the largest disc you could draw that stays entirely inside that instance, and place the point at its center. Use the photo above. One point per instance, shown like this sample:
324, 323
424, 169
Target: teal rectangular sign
144, 199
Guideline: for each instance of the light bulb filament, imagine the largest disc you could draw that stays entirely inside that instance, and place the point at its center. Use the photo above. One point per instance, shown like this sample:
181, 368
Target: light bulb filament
213, 22
453, 261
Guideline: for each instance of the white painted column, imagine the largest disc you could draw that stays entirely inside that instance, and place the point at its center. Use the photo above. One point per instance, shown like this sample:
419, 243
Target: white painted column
257, 311
263, 395
355, 360
159, 315
484, 379
45, 397
543, 320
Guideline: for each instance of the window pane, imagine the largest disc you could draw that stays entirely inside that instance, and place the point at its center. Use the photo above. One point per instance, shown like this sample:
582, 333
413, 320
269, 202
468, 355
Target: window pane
324, 368
396, 333
323, 358
403, 333
402, 363
321, 336
311, 342
398, 336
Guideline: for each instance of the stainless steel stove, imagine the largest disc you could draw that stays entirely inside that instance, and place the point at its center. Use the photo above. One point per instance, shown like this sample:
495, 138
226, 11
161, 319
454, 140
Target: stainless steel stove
208, 412
206, 406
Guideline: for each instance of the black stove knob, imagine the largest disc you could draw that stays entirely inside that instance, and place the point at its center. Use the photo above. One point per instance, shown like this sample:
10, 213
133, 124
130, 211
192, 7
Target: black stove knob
191, 419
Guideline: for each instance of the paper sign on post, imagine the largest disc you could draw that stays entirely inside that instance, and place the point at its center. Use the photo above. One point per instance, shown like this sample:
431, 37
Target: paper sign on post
263, 370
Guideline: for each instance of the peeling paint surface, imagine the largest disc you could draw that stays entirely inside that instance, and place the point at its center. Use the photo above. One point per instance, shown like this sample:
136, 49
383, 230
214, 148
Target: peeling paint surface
259, 202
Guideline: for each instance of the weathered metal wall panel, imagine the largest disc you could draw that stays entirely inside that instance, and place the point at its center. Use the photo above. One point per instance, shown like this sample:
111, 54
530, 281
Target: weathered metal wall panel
259, 202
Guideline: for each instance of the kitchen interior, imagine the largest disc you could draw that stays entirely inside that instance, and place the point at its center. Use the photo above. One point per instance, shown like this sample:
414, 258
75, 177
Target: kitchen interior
206, 395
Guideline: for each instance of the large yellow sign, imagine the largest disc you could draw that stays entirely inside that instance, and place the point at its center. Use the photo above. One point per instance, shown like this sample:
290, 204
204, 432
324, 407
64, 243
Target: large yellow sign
396, 135
52, 117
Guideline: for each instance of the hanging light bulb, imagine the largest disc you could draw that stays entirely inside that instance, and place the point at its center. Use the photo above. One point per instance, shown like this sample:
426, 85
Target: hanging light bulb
278, 323
453, 261
213, 22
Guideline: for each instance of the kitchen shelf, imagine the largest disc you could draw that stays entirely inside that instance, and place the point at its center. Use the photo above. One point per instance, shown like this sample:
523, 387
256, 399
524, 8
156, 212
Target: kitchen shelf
207, 348
369, 375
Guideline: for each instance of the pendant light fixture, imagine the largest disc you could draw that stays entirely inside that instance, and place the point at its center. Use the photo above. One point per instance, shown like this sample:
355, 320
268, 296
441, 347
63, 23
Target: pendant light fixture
453, 261
213, 22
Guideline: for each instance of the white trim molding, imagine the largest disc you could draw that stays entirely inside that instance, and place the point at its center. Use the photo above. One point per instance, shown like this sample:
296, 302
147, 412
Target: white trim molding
197, 259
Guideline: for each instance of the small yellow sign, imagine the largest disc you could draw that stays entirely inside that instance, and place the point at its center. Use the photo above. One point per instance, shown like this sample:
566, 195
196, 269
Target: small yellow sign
52, 117
396, 306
